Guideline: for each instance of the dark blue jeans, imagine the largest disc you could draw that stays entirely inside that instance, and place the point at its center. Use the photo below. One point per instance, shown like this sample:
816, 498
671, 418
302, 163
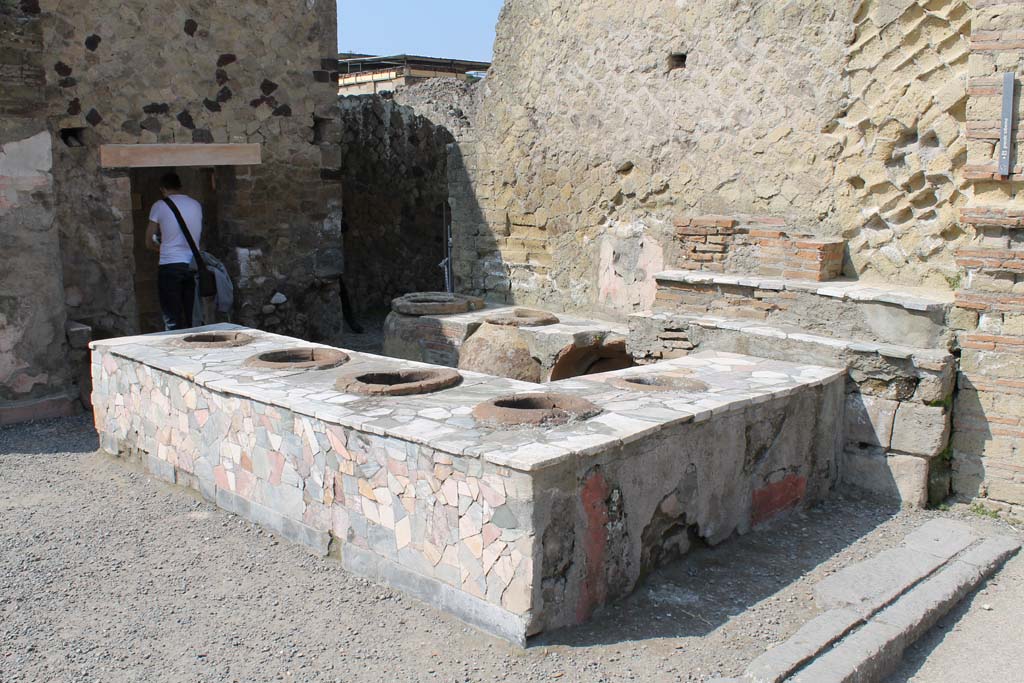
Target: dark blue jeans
176, 283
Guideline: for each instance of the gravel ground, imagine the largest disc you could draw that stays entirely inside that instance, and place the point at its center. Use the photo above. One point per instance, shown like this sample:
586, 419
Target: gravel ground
370, 340
108, 575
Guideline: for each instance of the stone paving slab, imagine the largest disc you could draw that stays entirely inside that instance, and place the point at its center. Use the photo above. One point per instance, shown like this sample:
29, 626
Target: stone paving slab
863, 640
942, 538
874, 650
813, 637
871, 585
857, 658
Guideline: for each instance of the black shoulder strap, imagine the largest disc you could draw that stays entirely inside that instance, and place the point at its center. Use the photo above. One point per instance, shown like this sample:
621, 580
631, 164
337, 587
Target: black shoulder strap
200, 263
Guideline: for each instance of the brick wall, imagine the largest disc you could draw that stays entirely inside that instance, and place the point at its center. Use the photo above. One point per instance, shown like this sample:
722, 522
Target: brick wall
800, 258
705, 241
755, 245
988, 420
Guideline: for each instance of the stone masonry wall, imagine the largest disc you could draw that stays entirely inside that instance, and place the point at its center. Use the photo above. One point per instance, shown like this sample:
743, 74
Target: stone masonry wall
448, 103
216, 72
899, 179
600, 123
32, 342
395, 189
605, 521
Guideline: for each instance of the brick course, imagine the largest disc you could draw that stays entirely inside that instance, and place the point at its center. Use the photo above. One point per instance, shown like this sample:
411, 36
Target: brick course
798, 257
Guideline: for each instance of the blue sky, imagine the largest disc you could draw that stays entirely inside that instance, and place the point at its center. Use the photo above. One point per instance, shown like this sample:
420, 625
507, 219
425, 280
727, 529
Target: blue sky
456, 29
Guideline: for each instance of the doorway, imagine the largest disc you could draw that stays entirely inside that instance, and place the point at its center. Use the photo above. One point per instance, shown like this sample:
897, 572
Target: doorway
198, 183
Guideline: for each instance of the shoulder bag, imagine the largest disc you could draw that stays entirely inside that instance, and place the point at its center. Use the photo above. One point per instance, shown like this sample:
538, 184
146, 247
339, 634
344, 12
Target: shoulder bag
207, 281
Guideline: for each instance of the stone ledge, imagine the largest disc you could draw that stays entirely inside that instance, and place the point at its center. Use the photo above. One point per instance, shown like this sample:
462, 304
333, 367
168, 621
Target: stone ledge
927, 358
912, 299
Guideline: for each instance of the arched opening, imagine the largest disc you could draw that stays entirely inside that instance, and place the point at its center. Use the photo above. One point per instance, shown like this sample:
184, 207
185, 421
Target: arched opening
578, 361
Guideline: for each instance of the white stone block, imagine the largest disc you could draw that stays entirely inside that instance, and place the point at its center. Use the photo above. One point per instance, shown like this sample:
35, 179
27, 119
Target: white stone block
869, 420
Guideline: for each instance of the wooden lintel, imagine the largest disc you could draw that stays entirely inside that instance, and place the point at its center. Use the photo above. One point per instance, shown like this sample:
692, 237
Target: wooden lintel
151, 156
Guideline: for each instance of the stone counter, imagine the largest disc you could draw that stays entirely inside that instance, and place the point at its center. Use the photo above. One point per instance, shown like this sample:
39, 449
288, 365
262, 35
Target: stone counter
561, 348
515, 530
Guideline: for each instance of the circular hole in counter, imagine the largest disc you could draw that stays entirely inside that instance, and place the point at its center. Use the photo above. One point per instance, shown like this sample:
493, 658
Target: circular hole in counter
398, 382
660, 383
435, 303
214, 340
542, 409
523, 317
299, 359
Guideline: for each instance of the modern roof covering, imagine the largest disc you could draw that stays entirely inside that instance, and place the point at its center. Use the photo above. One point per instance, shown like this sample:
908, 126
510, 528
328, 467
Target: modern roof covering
353, 63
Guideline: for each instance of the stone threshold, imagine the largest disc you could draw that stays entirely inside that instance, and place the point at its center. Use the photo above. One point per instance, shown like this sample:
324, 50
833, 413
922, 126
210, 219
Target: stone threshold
909, 298
62, 404
879, 607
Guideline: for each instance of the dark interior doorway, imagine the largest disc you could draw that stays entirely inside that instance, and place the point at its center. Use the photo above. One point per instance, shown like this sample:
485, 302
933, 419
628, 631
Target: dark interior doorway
198, 183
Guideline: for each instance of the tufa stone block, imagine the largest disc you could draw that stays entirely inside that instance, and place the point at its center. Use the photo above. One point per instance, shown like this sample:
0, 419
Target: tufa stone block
920, 429
900, 478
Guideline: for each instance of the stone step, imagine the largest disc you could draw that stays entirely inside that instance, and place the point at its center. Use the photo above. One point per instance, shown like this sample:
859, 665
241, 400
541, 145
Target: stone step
858, 311
878, 608
676, 326
897, 417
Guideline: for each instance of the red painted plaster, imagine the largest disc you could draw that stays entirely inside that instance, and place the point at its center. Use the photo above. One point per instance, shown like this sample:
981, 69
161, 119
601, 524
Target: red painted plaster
774, 498
595, 543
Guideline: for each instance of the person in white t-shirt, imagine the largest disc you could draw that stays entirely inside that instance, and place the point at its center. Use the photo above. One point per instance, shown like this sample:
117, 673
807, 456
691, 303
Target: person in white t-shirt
176, 279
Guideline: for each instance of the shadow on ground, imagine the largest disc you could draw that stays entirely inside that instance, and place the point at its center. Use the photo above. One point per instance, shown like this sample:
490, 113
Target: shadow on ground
369, 340
110, 575
690, 597
694, 596
50, 437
